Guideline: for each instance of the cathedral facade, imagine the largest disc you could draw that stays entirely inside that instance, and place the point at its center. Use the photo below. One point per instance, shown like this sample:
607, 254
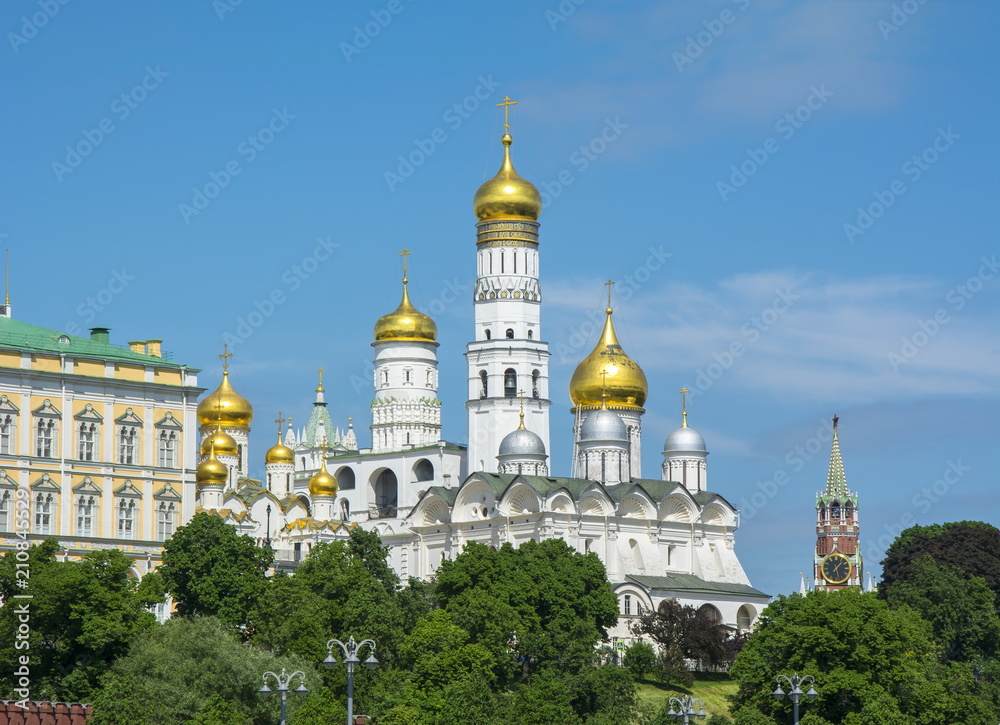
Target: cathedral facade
663, 537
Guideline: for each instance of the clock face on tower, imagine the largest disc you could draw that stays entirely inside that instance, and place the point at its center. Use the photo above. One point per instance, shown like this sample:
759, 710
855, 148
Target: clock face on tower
836, 568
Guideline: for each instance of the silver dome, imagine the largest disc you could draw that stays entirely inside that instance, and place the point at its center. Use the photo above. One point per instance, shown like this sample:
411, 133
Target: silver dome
603, 425
685, 440
522, 442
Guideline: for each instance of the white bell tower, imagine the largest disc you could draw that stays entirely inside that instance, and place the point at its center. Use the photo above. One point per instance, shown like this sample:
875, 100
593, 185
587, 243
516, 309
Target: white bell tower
507, 353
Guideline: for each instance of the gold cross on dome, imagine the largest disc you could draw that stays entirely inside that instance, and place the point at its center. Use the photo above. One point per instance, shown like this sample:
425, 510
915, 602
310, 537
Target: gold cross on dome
404, 254
609, 284
507, 103
279, 421
684, 407
321, 371
225, 356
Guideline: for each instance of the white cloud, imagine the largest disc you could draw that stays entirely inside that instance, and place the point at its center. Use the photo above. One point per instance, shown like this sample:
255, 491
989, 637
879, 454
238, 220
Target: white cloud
809, 338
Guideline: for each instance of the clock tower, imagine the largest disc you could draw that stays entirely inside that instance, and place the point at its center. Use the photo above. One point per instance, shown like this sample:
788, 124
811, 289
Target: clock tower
838, 557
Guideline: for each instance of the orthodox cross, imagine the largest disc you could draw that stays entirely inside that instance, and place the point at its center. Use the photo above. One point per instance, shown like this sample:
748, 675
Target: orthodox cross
608, 284
225, 356
684, 407
279, 421
404, 254
320, 371
507, 103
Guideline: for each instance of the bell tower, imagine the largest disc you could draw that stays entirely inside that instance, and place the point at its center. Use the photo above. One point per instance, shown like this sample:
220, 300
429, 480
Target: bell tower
838, 556
507, 352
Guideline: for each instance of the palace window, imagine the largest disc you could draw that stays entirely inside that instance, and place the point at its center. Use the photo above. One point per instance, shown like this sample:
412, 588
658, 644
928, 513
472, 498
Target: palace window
88, 441
535, 375
165, 520
128, 438
85, 516
510, 333
44, 508
487, 333
167, 449
8, 425
627, 605
126, 518
5, 512
485, 388
45, 433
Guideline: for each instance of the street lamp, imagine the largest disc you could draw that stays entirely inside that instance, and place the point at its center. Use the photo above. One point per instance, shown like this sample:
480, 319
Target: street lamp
795, 682
267, 539
283, 681
685, 708
350, 662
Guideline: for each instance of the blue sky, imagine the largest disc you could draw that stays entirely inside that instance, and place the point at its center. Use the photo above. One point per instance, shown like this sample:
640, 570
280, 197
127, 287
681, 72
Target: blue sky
796, 199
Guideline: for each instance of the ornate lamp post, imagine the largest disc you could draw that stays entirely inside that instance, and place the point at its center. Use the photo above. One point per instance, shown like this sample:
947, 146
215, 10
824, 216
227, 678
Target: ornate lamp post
351, 661
267, 540
283, 681
685, 708
796, 682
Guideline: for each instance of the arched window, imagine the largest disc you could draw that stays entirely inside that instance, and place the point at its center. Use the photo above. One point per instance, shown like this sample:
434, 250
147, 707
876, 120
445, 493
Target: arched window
531, 334
88, 441
345, 509
45, 431
744, 618
167, 452
44, 503
509, 383
407, 374
239, 457
535, 375
510, 333
487, 333
627, 605
485, 388
85, 516
126, 518
127, 437
835, 510
849, 511
165, 520
712, 612
7, 429
5, 512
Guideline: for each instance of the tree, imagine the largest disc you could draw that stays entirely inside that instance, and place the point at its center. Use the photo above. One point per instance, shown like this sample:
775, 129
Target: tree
864, 652
691, 632
961, 610
82, 615
211, 570
542, 605
182, 666
971, 546
639, 659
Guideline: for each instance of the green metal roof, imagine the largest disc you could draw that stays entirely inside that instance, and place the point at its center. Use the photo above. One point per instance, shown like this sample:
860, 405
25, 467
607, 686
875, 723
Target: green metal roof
18, 335
691, 584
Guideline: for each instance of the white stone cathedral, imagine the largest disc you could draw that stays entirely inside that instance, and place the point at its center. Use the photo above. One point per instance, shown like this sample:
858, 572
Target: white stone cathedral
668, 537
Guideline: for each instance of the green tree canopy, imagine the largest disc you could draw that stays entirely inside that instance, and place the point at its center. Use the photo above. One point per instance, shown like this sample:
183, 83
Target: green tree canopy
872, 664
194, 668
82, 615
961, 610
540, 605
971, 546
209, 569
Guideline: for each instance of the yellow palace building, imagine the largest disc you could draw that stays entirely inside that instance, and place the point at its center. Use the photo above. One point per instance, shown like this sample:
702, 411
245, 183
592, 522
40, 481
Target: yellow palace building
100, 440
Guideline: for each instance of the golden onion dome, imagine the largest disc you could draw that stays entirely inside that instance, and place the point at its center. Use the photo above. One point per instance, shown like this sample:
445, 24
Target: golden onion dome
323, 484
211, 471
279, 453
225, 406
507, 195
623, 385
405, 323
223, 443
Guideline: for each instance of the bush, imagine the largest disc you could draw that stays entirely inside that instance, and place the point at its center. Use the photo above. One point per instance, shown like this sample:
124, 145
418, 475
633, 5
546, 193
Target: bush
640, 658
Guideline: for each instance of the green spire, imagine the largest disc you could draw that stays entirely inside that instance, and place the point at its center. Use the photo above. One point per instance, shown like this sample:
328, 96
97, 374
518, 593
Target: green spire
836, 481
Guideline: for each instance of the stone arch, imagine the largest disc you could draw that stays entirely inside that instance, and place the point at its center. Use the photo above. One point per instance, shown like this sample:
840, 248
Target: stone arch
473, 502
745, 617
593, 506
384, 487
712, 611
676, 508
561, 503
521, 500
435, 512
634, 507
346, 479
423, 470
714, 515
